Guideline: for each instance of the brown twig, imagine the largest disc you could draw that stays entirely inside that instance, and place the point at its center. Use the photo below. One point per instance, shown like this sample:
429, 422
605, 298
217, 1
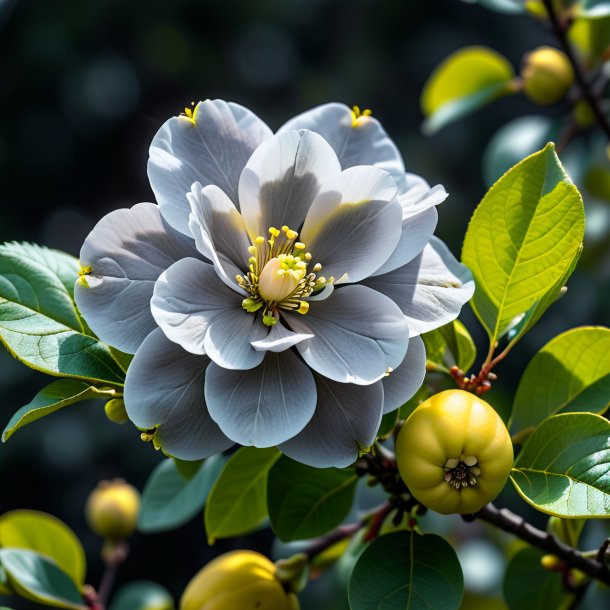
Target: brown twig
516, 525
560, 32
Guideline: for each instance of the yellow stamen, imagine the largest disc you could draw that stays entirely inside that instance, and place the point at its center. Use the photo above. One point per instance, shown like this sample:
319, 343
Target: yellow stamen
303, 307
358, 116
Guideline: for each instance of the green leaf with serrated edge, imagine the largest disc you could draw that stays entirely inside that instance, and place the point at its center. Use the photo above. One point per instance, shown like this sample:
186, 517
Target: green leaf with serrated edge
36, 578
237, 503
564, 467
39, 323
306, 502
407, 571
539, 307
55, 396
169, 500
528, 586
47, 535
522, 239
142, 595
571, 373
465, 81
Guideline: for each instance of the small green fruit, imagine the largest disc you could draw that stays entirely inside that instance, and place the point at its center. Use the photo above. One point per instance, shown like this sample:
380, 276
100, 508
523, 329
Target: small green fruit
112, 509
547, 75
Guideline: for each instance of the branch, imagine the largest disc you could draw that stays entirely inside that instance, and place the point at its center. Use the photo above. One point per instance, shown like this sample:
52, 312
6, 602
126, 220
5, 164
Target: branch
587, 93
516, 525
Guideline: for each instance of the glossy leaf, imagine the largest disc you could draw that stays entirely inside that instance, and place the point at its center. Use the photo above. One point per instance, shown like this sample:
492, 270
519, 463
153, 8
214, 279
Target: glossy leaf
237, 503
465, 81
55, 396
142, 595
450, 345
591, 36
564, 467
509, 7
522, 239
306, 502
407, 571
39, 579
39, 323
169, 500
47, 535
570, 373
528, 586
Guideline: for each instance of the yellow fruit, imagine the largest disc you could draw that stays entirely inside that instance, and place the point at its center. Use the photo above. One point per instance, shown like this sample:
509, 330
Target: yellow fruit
112, 509
454, 453
239, 580
547, 75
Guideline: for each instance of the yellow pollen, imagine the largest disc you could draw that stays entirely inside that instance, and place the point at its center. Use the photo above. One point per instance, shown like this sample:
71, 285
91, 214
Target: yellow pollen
85, 270
299, 245
190, 112
252, 249
274, 232
317, 267
358, 116
303, 307
260, 240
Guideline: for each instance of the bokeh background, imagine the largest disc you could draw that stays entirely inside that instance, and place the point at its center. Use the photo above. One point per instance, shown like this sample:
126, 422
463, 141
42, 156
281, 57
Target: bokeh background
85, 84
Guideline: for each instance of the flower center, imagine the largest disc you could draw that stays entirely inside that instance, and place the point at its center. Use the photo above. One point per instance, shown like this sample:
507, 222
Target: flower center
279, 276
462, 471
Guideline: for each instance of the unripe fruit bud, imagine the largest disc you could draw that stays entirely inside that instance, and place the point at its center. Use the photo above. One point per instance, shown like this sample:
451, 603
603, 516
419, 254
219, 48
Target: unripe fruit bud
239, 579
547, 75
115, 411
112, 509
454, 453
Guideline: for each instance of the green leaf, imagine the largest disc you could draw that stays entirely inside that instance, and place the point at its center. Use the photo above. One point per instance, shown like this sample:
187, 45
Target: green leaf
169, 500
571, 373
39, 579
509, 7
566, 530
47, 535
450, 345
55, 396
407, 571
237, 503
563, 468
465, 81
39, 323
306, 502
388, 421
528, 586
522, 239
593, 9
591, 36
142, 595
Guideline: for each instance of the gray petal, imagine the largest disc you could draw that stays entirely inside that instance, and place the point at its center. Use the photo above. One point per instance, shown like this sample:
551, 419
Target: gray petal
211, 149
279, 339
262, 406
219, 232
417, 195
363, 142
164, 390
282, 178
354, 225
346, 419
430, 290
127, 251
197, 311
402, 383
358, 334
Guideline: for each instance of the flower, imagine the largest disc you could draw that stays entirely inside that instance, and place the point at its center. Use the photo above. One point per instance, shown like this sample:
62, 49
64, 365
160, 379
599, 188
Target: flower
276, 293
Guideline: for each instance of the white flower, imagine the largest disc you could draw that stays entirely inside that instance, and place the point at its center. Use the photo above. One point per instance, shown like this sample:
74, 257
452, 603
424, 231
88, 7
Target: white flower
276, 293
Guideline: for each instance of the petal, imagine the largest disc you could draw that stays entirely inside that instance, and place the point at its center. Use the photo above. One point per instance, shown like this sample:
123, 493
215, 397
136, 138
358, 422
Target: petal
219, 232
358, 334
279, 339
417, 195
262, 406
430, 290
211, 148
354, 225
127, 251
402, 383
415, 234
164, 390
282, 178
346, 419
356, 142
197, 311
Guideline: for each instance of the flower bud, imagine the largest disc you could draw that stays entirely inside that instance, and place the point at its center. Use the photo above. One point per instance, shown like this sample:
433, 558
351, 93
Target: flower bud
112, 509
547, 75
239, 579
115, 411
